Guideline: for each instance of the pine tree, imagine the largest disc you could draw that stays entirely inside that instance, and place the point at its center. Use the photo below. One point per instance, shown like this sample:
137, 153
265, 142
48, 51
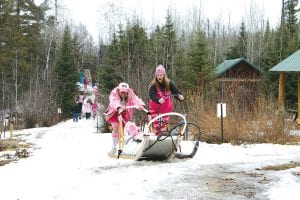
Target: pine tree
287, 39
107, 76
138, 57
19, 35
180, 61
127, 57
239, 50
66, 74
169, 42
268, 60
198, 69
156, 39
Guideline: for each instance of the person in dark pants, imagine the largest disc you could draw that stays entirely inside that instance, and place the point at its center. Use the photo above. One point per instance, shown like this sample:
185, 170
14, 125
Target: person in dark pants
76, 111
80, 99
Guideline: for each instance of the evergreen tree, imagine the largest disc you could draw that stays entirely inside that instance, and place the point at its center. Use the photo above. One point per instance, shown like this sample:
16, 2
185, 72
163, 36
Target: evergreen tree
169, 42
198, 69
19, 35
138, 58
127, 57
287, 39
239, 50
156, 38
66, 74
180, 60
108, 78
268, 60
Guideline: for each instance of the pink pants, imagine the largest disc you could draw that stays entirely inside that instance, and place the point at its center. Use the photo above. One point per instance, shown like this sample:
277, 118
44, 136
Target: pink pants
156, 109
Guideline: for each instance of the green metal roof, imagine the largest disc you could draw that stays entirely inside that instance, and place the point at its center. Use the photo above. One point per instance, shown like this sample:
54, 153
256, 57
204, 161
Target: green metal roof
290, 64
228, 64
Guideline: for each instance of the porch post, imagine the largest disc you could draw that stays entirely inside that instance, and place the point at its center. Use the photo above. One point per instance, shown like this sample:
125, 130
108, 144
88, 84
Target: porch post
281, 92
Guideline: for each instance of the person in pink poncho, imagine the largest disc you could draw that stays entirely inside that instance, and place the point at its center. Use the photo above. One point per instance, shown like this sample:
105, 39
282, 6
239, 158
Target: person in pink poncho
160, 90
119, 98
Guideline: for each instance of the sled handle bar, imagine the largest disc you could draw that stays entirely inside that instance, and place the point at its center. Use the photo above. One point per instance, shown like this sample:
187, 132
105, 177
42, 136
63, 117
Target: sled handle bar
146, 130
136, 107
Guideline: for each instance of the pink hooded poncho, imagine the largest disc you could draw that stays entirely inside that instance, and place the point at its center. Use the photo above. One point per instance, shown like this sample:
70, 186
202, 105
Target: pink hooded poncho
115, 102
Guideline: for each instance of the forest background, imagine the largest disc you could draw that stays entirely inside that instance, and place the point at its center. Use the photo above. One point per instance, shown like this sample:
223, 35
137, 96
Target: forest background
41, 57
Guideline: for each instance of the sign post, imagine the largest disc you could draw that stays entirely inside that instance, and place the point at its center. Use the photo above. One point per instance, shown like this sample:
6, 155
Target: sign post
59, 113
221, 113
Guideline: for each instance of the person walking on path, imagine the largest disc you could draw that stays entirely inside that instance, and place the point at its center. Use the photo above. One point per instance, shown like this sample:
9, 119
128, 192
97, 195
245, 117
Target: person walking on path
160, 90
95, 90
76, 111
80, 100
85, 82
87, 108
120, 97
81, 76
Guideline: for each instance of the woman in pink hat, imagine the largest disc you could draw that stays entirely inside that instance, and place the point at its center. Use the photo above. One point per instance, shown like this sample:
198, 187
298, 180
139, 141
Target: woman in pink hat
119, 98
160, 91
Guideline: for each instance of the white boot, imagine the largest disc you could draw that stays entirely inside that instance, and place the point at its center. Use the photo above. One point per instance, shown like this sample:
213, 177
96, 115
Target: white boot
114, 146
112, 151
114, 142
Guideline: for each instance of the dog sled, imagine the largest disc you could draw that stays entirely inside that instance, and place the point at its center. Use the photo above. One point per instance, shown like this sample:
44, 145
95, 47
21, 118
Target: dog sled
181, 140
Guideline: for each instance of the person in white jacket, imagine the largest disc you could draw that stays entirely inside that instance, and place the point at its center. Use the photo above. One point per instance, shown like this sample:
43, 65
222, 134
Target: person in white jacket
87, 108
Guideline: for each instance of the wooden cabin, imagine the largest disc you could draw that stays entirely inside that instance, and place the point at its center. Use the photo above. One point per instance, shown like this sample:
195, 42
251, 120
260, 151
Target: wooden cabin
239, 82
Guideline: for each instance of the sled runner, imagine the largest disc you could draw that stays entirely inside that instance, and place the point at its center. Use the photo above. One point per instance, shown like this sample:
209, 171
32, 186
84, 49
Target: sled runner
153, 148
141, 143
149, 149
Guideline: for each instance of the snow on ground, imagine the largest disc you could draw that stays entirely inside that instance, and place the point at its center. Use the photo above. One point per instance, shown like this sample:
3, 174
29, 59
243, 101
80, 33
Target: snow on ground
69, 161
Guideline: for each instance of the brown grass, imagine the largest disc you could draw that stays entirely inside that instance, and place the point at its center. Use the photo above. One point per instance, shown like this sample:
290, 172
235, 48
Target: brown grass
9, 144
256, 121
281, 167
4, 162
13, 145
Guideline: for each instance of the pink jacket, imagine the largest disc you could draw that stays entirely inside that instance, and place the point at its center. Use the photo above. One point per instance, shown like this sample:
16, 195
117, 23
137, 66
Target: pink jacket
85, 81
115, 102
94, 106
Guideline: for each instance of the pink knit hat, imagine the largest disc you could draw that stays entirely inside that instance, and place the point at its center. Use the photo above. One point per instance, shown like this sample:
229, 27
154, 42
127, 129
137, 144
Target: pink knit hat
160, 70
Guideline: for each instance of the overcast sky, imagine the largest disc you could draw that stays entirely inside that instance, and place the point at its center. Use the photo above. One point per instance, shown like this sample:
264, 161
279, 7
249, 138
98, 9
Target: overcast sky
90, 12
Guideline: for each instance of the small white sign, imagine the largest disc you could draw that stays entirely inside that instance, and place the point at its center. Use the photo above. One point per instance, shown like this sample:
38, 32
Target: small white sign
219, 110
58, 110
